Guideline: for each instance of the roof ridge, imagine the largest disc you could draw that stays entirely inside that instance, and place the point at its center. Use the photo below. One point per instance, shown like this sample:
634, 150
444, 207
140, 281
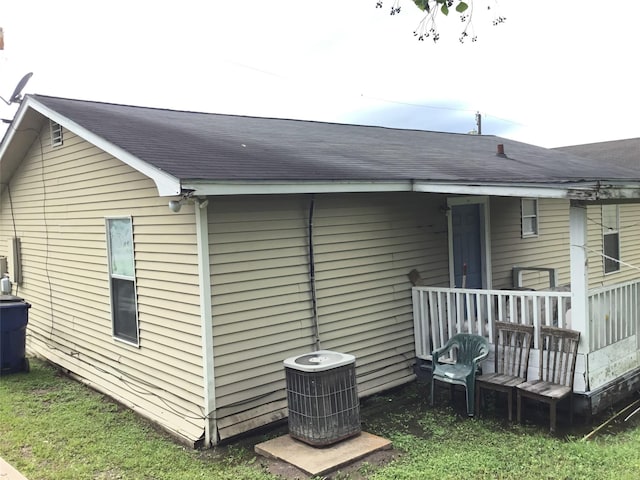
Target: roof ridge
235, 115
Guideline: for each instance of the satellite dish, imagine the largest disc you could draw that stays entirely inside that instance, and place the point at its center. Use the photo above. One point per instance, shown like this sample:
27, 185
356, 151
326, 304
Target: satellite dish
16, 96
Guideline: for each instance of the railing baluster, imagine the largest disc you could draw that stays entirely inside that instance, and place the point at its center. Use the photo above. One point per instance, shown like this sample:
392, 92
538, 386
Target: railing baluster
459, 310
627, 311
512, 308
469, 311
634, 309
490, 316
424, 303
610, 319
438, 331
536, 309
439, 312
602, 319
524, 309
451, 314
612, 313
548, 312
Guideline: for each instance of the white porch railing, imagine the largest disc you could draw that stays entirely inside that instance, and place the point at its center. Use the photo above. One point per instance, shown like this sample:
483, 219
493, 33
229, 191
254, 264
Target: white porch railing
440, 313
613, 313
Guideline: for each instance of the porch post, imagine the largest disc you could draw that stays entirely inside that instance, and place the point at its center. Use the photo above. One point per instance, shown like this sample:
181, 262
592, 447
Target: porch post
579, 272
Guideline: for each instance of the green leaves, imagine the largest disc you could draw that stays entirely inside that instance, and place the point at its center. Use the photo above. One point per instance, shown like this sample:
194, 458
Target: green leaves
423, 4
444, 5
461, 7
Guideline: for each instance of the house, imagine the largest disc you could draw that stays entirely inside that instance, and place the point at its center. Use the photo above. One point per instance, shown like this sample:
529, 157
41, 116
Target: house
173, 259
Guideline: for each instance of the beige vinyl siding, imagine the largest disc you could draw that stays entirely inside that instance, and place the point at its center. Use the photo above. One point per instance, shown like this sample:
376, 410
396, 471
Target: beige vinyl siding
365, 245
629, 246
60, 199
550, 249
260, 305
630, 240
597, 278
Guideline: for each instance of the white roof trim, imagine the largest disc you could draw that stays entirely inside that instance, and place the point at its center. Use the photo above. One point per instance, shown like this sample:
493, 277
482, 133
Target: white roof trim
11, 130
534, 191
588, 191
273, 188
167, 185
578, 192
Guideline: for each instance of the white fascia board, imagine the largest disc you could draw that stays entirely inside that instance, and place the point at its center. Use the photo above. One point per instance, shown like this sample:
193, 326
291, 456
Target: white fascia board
585, 192
274, 188
533, 191
578, 192
12, 129
167, 185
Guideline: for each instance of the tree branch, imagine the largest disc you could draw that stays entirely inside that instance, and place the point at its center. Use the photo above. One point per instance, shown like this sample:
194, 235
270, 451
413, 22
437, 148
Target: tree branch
427, 28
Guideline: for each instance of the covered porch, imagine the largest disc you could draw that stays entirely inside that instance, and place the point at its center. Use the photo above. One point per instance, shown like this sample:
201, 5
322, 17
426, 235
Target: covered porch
608, 362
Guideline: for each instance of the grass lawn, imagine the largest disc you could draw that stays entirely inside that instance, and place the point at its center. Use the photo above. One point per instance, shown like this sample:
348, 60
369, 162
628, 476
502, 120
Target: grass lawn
54, 428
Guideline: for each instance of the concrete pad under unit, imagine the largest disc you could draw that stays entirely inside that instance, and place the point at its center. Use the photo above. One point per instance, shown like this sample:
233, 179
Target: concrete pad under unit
321, 460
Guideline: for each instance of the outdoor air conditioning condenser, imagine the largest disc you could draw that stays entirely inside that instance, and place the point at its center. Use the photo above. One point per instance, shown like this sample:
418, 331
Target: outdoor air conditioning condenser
322, 397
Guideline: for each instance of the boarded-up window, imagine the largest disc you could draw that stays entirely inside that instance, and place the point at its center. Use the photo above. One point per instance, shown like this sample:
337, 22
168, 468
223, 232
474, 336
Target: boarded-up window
611, 238
124, 311
529, 210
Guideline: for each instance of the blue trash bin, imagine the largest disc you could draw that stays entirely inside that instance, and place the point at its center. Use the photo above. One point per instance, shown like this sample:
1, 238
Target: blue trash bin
14, 315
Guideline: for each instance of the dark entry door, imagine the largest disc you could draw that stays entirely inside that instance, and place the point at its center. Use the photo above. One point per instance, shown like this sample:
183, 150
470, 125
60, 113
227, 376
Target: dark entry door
467, 245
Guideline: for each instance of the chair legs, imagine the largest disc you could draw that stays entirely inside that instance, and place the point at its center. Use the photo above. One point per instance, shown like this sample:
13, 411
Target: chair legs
470, 390
508, 392
519, 407
470, 395
553, 416
433, 390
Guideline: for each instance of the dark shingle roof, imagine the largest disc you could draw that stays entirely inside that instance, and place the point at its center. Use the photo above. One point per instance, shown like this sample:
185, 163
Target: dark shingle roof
619, 152
214, 147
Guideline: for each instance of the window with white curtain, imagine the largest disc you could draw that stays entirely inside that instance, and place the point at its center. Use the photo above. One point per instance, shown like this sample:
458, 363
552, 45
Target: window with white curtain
122, 280
529, 212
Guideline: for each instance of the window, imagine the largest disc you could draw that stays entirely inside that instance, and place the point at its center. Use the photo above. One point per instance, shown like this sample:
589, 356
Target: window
124, 311
611, 238
56, 133
529, 211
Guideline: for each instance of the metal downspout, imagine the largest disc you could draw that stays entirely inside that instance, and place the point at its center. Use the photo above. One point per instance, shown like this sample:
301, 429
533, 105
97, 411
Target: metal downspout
206, 323
312, 278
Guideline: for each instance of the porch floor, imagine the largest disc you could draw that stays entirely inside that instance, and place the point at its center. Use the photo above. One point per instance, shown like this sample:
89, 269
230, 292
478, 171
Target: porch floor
319, 461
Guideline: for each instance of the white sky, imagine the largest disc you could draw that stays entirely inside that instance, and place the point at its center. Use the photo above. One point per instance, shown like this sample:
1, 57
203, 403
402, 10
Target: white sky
555, 73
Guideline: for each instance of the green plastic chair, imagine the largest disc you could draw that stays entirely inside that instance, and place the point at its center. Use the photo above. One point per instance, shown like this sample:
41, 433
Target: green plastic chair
468, 351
